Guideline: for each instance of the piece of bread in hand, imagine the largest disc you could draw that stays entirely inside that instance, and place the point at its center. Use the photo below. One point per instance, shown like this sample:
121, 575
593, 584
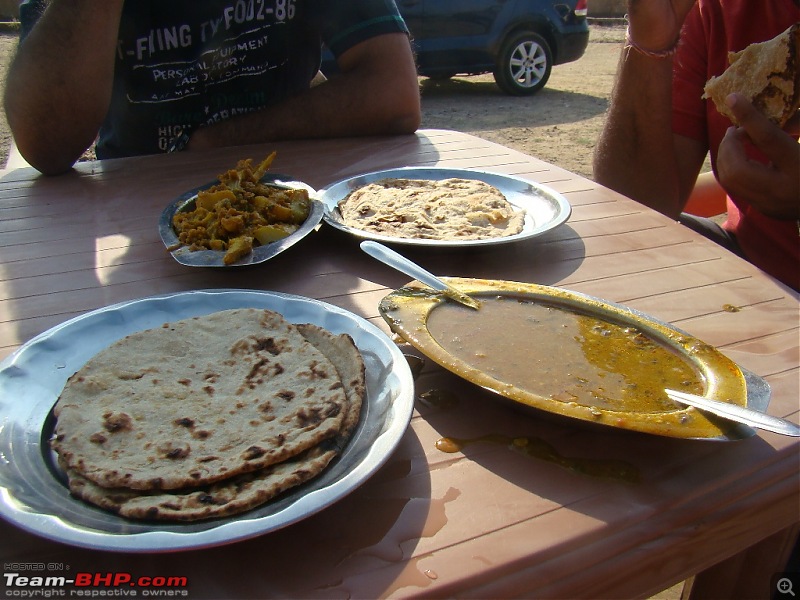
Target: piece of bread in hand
766, 73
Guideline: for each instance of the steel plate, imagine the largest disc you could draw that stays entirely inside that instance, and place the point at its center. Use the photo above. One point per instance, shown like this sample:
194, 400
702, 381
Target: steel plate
33, 492
260, 254
545, 209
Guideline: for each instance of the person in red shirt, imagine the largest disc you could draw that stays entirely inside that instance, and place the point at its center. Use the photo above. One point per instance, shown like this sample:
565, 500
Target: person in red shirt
659, 129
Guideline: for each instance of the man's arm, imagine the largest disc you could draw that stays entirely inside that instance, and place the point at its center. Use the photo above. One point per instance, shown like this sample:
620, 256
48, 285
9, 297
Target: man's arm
59, 84
376, 92
637, 153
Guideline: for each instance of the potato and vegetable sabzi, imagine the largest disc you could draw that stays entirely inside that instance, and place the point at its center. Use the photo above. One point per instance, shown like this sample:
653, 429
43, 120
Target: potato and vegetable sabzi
241, 212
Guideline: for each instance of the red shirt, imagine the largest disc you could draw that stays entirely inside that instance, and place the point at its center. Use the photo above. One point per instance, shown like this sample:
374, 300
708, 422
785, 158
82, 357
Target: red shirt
712, 29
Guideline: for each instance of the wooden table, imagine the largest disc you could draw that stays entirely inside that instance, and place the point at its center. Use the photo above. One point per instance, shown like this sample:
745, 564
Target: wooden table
487, 522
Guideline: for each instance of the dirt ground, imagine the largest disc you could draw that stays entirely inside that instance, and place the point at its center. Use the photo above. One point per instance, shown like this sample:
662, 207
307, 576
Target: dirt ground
8, 41
559, 124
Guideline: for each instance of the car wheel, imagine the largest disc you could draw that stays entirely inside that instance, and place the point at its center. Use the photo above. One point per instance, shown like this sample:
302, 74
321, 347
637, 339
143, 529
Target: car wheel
524, 64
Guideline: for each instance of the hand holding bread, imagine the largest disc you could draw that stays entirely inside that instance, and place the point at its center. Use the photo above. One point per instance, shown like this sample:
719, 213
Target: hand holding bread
764, 73
771, 184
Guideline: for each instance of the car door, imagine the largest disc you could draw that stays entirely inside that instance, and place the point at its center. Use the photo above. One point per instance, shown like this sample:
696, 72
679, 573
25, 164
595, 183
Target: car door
453, 35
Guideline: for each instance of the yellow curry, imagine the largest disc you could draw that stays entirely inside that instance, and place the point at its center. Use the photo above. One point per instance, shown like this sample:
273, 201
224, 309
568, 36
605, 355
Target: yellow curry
564, 355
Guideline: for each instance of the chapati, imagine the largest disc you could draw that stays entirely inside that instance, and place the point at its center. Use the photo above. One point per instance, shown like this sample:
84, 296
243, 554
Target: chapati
247, 490
349, 364
197, 401
221, 499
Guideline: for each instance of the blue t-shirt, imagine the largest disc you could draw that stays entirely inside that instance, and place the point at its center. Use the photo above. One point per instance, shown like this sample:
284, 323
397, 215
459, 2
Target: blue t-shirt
184, 64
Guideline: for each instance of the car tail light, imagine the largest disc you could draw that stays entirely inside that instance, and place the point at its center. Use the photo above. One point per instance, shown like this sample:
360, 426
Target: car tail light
581, 8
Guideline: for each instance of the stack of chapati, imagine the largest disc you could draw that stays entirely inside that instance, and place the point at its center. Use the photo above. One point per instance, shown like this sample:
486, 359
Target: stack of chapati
209, 416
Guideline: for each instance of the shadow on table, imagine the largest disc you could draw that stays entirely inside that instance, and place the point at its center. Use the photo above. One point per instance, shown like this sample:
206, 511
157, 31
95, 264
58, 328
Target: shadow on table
568, 461
546, 259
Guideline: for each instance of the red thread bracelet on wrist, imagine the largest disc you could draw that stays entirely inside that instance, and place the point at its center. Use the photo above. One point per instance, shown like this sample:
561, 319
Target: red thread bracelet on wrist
661, 54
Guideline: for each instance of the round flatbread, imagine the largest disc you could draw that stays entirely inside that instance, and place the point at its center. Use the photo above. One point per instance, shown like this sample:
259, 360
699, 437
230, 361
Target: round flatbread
446, 209
346, 358
197, 401
248, 490
222, 499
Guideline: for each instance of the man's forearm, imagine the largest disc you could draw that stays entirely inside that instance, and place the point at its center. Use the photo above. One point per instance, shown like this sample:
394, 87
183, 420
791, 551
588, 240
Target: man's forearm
59, 84
366, 98
333, 109
635, 153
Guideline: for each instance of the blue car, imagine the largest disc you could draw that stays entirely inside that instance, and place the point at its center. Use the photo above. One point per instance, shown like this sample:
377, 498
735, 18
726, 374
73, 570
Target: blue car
518, 41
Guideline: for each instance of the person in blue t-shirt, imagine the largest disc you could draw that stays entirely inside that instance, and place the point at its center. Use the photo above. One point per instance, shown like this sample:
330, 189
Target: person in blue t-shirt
149, 76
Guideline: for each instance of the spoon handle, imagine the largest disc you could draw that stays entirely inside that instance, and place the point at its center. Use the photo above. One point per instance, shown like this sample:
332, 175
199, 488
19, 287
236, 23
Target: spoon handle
401, 263
740, 414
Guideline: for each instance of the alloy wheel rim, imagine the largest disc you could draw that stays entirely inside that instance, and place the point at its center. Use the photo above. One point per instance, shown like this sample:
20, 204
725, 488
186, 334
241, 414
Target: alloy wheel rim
528, 64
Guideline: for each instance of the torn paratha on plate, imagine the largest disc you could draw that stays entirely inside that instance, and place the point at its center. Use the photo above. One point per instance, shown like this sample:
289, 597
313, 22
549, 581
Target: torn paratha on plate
447, 209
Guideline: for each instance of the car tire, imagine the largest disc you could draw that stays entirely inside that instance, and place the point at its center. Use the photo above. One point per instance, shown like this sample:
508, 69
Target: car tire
524, 64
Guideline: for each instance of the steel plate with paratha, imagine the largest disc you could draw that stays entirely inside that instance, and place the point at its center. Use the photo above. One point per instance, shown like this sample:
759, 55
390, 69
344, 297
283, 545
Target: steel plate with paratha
33, 491
544, 209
